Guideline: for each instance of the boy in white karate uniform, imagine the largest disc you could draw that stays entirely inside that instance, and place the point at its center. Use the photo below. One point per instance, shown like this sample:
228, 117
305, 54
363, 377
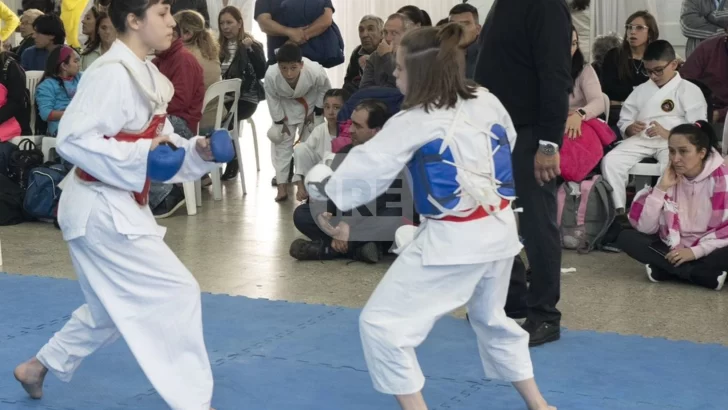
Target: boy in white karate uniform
117, 133
294, 90
317, 146
648, 115
456, 140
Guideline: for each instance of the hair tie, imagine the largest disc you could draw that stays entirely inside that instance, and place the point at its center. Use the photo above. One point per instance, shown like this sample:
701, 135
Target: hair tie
64, 53
697, 124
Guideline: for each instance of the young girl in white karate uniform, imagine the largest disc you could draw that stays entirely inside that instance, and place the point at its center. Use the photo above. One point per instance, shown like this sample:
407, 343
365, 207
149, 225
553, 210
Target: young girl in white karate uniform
115, 131
456, 140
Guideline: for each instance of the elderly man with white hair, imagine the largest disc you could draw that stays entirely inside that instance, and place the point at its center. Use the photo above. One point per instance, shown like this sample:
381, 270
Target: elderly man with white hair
379, 70
371, 29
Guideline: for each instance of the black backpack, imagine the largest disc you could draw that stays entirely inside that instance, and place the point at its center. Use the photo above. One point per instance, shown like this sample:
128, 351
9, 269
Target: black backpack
22, 161
11, 202
6, 152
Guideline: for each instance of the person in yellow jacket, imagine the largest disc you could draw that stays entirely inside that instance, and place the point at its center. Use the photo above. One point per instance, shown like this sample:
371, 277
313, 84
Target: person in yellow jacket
71, 15
9, 22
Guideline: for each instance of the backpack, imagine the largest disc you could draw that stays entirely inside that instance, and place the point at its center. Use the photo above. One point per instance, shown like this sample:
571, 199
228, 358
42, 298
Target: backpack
43, 193
22, 161
6, 152
11, 202
585, 213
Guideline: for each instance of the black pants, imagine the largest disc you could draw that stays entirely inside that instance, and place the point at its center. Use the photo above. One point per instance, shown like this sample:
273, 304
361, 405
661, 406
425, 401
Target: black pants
304, 220
703, 271
541, 234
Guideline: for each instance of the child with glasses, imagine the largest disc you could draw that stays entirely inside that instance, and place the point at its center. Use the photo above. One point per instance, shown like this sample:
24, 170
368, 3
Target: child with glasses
648, 114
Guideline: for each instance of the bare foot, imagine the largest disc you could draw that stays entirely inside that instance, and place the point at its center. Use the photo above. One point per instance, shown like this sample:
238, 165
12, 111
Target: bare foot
31, 375
282, 193
301, 194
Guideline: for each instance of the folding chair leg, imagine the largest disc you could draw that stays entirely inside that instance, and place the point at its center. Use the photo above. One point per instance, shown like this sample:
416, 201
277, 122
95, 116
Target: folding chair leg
190, 198
255, 143
239, 152
216, 184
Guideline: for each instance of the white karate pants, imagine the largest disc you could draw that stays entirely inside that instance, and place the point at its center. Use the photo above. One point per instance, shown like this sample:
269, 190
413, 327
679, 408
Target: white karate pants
412, 297
136, 288
616, 164
304, 159
282, 153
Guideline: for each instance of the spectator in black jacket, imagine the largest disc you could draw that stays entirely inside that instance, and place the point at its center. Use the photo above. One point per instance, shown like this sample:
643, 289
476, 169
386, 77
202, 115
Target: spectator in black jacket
369, 230
26, 31
525, 61
18, 102
199, 6
371, 32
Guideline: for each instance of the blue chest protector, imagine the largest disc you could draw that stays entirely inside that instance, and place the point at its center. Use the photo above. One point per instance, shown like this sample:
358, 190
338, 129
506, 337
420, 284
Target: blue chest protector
434, 177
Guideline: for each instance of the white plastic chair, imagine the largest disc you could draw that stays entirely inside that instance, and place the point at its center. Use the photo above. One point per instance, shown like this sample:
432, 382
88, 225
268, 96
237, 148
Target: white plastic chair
255, 139
193, 190
32, 79
607, 106
48, 144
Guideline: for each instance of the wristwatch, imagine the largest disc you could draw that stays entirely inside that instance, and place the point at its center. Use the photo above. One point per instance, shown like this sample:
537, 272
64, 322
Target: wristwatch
581, 113
547, 149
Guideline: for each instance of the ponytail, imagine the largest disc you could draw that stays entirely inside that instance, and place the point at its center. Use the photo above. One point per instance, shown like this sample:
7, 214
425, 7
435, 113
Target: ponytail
451, 38
701, 134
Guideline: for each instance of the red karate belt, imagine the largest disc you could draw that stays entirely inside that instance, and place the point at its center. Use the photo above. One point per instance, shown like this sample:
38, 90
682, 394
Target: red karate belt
153, 130
478, 214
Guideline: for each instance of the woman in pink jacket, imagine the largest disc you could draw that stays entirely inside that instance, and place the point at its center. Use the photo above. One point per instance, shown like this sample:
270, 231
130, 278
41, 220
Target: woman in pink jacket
682, 224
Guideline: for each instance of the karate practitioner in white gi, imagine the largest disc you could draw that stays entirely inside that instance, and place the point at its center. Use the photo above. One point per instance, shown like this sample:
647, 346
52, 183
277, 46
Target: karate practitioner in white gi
648, 115
294, 90
116, 133
456, 141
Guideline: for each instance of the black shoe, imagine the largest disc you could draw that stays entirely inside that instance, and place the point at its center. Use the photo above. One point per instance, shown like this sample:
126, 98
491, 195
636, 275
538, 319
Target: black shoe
541, 333
367, 253
231, 170
174, 201
274, 181
305, 250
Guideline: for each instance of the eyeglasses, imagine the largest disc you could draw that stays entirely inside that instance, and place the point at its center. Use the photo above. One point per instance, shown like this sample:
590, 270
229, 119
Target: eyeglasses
636, 27
657, 71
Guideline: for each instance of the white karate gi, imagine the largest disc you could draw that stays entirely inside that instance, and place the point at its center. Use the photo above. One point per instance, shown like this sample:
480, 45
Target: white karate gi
677, 102
134, 285
312, 85
448, 264
308, 153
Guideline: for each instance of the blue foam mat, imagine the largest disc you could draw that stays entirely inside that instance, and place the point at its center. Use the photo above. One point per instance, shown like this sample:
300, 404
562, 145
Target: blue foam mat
279, 355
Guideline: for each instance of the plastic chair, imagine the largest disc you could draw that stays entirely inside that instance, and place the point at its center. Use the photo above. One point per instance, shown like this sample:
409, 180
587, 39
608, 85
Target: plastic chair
255, 139
193, 190
607, 105
48, 144
32, 79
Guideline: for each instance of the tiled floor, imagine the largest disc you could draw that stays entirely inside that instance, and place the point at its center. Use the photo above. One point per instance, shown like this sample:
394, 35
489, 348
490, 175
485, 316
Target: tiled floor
239, 246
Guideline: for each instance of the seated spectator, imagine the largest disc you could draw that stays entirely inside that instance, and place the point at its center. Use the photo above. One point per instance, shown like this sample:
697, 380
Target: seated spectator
391, 97
318, 145
104, 36
649, 112
367, 233
379, 71
623, 68
199, 6
294, 89
308, 24
241, 56
419, 17
602, 46
582, 147
16, 106
371, 29
682, 224
702, 19
26, 31
185, 73
709, 64
199, 41
58, 86
88, 26
467, 16
443, 22
9, 22
49, 35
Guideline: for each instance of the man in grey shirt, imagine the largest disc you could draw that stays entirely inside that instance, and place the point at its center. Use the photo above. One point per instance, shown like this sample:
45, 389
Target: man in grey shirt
379, 70
701, 19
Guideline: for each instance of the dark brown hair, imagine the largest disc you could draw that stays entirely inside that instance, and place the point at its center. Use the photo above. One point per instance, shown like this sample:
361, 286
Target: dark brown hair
242, 35
625, 71
435, 65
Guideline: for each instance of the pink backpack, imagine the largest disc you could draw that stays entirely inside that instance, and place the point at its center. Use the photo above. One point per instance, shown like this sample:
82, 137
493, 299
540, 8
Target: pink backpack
10, 128
584, 214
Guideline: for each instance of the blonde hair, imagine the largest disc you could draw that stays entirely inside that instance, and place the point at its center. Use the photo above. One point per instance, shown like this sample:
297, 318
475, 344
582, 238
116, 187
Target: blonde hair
192, 22
242, 35
435, 63
31, 14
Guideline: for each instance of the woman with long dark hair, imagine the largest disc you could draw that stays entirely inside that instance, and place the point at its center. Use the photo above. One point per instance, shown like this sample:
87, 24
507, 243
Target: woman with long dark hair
241, 56
104, 36
623, 68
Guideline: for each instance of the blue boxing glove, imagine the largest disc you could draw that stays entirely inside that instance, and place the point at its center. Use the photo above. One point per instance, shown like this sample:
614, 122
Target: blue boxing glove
221, 145
164, 162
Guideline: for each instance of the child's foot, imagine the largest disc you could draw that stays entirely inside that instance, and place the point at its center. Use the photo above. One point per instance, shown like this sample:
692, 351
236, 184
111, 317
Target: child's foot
282, 193
31, 375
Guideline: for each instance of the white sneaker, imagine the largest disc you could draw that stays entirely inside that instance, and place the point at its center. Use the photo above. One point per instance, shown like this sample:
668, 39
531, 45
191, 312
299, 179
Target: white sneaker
721, 281
648, 269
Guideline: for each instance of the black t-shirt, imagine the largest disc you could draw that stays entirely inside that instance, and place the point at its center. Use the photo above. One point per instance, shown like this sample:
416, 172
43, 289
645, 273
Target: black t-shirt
275, 9
618, 89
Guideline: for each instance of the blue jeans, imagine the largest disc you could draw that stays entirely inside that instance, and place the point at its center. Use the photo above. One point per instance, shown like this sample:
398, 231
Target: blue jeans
158, 190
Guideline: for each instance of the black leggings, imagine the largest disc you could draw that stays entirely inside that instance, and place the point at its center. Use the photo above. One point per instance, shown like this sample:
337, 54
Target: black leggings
703, 271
